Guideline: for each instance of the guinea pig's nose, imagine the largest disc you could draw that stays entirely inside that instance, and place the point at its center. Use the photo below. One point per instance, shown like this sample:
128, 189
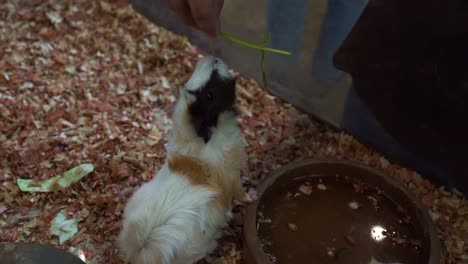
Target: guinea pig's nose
216, 61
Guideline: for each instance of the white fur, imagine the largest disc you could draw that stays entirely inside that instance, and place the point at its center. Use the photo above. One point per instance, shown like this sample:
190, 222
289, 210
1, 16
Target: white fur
169, 220
203, 70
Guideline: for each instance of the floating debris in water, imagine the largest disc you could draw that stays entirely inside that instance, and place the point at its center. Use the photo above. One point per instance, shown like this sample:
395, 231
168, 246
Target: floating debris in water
331, 252
265, 221
350, 240
292, 227
353, 205
306, 188
322, 187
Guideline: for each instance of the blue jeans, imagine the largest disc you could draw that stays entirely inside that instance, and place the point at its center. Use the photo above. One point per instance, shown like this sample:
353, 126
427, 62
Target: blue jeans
361, 123
286, 22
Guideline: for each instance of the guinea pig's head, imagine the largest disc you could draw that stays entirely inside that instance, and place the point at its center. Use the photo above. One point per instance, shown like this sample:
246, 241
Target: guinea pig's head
211, 89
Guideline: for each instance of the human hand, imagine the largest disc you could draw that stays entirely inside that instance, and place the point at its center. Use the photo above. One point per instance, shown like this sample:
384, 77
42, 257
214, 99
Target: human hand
201, 14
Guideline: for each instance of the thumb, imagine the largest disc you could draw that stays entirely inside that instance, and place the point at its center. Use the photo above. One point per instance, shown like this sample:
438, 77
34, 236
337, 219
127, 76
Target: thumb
206, 14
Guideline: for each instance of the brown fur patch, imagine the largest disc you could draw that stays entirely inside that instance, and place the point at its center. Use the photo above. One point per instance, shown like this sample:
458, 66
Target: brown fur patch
238, 160
192, 168
202, 173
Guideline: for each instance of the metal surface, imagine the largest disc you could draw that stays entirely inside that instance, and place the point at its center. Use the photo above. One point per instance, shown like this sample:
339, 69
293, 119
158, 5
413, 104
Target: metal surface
34, 253
371, 103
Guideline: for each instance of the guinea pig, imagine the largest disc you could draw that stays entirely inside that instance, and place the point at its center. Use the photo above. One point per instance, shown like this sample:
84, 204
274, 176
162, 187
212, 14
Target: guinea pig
179, 215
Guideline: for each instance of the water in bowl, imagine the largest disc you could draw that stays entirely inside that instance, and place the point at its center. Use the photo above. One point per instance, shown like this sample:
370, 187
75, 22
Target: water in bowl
319, 219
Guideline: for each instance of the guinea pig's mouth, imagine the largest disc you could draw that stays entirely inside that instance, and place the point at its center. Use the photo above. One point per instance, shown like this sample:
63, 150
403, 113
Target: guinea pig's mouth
204, 70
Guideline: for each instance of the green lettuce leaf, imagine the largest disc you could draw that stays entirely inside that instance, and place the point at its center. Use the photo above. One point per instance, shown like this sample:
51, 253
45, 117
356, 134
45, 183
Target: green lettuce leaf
55, 183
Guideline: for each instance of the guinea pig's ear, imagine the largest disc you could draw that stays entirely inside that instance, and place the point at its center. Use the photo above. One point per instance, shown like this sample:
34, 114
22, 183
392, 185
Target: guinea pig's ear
186, 95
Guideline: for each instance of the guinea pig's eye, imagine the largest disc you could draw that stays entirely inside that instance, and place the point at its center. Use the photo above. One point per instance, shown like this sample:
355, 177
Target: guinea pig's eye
209, 96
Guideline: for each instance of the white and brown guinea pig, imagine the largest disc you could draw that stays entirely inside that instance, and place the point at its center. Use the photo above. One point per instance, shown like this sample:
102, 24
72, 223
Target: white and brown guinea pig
178, 216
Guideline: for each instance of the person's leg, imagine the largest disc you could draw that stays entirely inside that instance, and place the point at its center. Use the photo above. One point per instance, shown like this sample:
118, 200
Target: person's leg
361, 123
338, 22
286, 23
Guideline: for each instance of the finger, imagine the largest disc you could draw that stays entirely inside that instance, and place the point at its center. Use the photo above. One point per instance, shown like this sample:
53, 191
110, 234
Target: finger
206, 15
182, 10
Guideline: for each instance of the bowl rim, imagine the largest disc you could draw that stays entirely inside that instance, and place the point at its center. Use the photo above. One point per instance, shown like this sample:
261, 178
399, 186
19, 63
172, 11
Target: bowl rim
250, 234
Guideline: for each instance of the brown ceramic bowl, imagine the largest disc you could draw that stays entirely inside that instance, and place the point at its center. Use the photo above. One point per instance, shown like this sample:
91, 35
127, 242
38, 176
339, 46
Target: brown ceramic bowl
335, 220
